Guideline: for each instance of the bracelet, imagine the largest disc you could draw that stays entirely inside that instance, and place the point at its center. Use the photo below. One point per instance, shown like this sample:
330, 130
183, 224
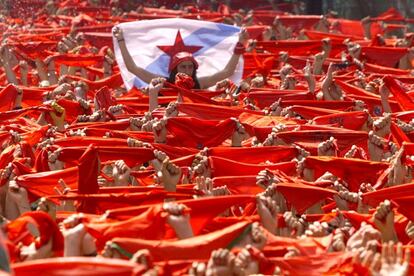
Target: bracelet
239, 49
120, 40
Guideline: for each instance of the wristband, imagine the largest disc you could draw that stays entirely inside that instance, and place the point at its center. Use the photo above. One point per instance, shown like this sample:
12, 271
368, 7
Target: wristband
120, 40
239, 49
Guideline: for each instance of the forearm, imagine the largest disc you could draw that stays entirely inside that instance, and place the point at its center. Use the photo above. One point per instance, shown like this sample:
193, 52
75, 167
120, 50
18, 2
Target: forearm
183, 230
23, 206
367, 30
317, 67
63, 70
84, 74
10, 75
270, 225
231, 66
153, 101
42, 119
389, 235
52, 75
132, 67
209, 81
23, 77
72, 70
11, 211
325, 89
41, 70
311, 83
386, 105
107, 69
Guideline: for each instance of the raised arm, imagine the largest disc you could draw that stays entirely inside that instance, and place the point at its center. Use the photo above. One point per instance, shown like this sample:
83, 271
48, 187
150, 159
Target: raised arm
208, 81
129, 62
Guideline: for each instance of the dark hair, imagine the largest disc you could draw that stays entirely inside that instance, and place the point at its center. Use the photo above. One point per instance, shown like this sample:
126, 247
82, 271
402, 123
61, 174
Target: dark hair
171, 77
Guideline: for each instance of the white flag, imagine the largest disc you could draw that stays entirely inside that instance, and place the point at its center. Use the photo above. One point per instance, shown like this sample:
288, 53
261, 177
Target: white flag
150, 43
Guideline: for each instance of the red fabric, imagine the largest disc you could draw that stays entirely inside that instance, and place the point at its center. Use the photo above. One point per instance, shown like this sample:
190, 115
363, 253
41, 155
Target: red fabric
78, 266
405, 205
144, 218
184, 81
263, 68
405, 102
34, 50
309, 113
211, 112
399, 137
376, 197
105, 201
353, 171
78, 59
353, 90
310, 139
131, 156
297, 48
195, 133
189, 96
384, 56
86, 141
293, 193
8, 96
332, 105
113, 81
245, 184
88, 171
373, 68
391, 14
42, 184
350, 120
265, 99
47, 227
226, 167
104, 98
200, 246
148, 225
255, 155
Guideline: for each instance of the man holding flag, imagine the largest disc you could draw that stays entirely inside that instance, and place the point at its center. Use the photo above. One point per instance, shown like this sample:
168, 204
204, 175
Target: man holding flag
167, 47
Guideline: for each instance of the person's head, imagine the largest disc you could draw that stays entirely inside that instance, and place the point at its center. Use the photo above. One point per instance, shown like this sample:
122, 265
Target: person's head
186, 67
183, 62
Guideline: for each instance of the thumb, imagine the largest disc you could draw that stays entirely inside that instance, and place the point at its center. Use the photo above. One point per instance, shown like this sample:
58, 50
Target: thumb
165, 164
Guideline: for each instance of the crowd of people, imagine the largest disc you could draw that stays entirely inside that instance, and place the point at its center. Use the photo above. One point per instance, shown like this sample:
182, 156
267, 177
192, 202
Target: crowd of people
304, 167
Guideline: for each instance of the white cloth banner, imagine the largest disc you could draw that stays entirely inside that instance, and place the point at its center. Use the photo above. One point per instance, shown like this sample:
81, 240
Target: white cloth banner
213, 42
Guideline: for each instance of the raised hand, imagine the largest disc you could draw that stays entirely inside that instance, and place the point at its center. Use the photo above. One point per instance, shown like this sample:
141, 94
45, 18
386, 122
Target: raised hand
169, 175
245, 264
121, 173
178, 220
221, 262
327, 148
366, 237
375, 146
267, 209
118, 33
384, 221
53, 160
239, 135
382, 125
160, 131
243, 36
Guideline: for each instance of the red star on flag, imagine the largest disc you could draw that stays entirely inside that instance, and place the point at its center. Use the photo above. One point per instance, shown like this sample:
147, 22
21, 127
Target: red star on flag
179, 46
